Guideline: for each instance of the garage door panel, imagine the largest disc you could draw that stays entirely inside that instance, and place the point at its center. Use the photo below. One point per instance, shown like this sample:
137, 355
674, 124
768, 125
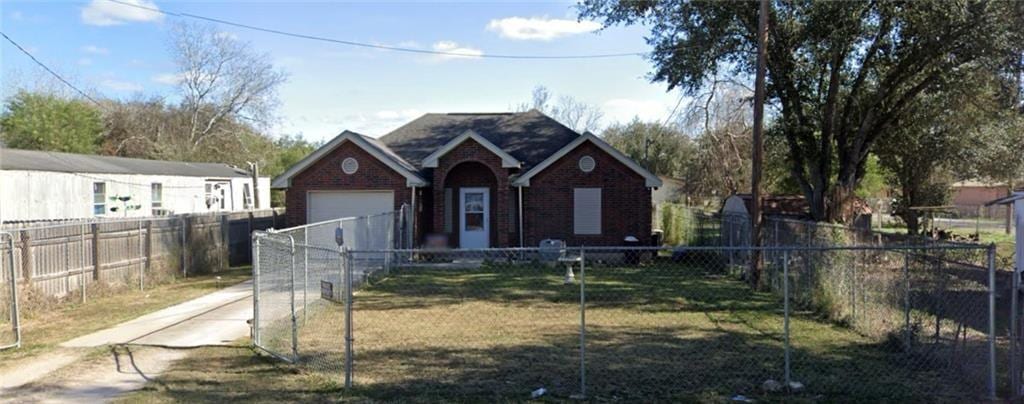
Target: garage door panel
330, 205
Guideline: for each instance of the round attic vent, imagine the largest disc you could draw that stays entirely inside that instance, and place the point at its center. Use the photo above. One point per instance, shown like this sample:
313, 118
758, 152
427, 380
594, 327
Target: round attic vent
587, 164
349, 165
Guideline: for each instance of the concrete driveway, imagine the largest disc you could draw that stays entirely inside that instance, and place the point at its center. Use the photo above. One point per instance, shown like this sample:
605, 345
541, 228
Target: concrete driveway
140, 349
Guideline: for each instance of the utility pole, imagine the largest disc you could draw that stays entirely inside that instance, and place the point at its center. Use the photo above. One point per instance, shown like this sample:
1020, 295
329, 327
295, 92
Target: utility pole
755, 181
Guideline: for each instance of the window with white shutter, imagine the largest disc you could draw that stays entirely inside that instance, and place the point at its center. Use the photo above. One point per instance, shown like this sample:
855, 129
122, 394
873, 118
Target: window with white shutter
586, 213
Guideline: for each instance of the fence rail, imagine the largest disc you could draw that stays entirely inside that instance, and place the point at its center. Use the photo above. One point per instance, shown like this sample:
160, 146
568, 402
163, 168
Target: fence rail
852, 323
70, 261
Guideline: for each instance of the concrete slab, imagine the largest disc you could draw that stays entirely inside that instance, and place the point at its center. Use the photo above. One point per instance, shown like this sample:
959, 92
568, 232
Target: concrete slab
171, 317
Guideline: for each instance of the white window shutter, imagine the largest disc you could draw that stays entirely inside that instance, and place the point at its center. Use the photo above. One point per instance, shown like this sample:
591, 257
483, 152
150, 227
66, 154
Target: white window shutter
586, 214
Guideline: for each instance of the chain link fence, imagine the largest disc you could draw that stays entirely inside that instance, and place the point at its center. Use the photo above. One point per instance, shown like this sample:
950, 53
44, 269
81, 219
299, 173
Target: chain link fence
637, 324
301, 278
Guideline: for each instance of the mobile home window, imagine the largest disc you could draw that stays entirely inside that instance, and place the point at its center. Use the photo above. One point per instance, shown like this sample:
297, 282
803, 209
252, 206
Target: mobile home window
99, 198
156, 194
246, 196
586, 213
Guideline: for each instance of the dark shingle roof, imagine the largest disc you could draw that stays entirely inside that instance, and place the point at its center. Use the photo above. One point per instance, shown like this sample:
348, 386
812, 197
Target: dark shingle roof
530, 136
34, 160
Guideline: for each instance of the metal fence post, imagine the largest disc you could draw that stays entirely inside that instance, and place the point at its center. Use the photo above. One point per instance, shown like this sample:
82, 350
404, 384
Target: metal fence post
906, 302
305, 270
347, 269
256, 289
785, 308
583, 324
992, 321
295, 325
1015, 371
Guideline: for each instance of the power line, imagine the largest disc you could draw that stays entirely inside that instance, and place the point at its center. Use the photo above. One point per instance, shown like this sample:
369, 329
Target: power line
41, 64
674, 109
374, 46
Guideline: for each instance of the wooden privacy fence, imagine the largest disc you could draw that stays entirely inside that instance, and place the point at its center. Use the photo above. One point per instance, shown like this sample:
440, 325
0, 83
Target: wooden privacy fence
67, 259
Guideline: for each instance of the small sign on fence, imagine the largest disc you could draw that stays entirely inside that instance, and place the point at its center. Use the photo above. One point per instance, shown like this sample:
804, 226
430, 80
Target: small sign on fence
327, 291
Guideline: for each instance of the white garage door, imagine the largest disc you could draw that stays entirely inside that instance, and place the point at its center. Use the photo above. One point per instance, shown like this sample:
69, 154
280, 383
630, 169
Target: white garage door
330, 205
359, 234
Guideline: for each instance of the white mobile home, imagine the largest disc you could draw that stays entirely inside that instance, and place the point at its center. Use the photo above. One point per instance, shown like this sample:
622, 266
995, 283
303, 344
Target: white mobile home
36, 185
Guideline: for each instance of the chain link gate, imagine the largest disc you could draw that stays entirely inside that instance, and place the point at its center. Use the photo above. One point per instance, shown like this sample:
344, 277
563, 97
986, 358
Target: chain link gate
10, 316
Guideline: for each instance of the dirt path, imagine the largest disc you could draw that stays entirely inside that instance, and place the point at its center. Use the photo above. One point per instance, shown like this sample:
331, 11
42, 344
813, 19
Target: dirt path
102, 365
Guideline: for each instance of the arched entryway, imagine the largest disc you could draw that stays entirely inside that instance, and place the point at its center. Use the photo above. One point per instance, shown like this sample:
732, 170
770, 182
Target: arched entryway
470, 205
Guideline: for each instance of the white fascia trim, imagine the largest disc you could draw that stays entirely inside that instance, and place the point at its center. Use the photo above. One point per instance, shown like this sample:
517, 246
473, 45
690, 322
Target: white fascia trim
285, 179
507, 161
651, 180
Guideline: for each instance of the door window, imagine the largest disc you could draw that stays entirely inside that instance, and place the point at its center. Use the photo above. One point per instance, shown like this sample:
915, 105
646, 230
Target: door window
474, 211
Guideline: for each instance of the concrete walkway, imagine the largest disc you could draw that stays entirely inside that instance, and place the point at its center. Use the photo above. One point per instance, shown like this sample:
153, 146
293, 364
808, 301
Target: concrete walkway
216, 318
154, 342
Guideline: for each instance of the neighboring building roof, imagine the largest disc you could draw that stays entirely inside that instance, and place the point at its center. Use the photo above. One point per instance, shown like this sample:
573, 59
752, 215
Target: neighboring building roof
34, 160
368, 144
652, 181
1006, 200
529, 137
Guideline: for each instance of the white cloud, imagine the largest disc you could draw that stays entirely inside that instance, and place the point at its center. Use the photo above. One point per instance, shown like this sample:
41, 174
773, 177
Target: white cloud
226, 35
403, 115
540, 28
625, 109
118, 85
105, 13
456, 51
167, 78
95, 50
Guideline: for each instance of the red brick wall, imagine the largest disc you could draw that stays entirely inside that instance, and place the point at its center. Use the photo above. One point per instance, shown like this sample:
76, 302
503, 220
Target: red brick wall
326, 174
471, 151
625, 201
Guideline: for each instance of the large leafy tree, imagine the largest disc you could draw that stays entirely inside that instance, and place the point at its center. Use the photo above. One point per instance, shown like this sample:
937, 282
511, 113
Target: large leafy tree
842, 75
664, 150
42, 121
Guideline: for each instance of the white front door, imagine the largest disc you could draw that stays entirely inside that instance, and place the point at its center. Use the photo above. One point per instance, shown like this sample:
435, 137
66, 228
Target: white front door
474, 215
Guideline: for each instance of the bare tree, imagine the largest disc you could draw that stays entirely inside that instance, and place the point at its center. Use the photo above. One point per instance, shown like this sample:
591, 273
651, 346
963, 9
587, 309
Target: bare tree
571, 112
222, 78
720, 122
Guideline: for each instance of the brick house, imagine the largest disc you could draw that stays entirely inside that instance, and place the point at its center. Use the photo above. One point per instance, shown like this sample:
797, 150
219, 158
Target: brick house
484, 180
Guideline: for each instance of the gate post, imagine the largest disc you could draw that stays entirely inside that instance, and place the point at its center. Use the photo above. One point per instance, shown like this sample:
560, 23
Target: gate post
256, 289
346, 258
992, 321
785, 324
295, 328
583, 323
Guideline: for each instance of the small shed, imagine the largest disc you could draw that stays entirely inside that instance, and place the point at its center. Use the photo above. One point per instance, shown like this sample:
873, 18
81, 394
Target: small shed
1016, 200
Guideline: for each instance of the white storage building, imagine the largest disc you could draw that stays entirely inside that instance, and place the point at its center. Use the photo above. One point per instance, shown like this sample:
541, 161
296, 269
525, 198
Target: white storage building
37, 185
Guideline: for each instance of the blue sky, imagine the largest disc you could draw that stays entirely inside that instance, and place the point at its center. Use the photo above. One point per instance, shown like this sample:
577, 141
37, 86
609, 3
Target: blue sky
118, 52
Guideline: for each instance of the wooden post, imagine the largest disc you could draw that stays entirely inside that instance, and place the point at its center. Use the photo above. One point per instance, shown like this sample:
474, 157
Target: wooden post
149, 245
225, 241
252, 226
27, 267
755, 181
96, 251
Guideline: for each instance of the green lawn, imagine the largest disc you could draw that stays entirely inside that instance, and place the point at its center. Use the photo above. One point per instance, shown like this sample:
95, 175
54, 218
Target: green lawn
663, 332
42, 330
